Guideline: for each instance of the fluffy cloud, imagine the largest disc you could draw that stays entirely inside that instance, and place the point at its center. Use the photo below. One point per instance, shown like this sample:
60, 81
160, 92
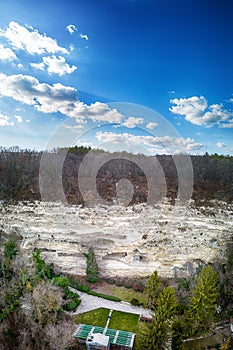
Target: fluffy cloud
6, 54
98, 111
5, 120
151, 125
195, 111
131, 122
83, 36
55, 98
19, 118
71, 28
56, 65
168, 143
46, 98
29, 39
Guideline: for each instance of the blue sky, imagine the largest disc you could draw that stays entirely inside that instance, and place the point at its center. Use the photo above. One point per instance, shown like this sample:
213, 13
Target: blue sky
150, 76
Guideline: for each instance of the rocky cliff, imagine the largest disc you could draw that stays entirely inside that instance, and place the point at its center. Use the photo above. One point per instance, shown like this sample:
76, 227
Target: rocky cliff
128, 241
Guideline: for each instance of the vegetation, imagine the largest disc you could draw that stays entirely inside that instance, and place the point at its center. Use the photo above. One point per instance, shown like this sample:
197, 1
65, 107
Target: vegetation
152, 290
124, 321
31, 305
156, 334
202, 308
92, 267
96, 317
19, 177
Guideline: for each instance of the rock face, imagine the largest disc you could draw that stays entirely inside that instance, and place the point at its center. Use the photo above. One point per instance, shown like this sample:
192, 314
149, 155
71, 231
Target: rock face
128, 241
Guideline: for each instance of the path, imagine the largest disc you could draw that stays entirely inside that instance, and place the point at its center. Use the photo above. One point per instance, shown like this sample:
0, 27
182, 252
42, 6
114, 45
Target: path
90, 302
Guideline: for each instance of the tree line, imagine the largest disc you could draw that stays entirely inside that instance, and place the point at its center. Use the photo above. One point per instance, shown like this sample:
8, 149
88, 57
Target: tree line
19, 175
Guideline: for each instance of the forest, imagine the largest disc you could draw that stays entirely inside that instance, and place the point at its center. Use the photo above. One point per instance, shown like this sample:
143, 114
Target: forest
19, 175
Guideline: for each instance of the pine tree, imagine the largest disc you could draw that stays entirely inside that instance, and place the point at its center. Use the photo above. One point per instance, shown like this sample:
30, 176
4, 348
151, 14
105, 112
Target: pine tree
157, 333
152, 290
167, 297
201, 311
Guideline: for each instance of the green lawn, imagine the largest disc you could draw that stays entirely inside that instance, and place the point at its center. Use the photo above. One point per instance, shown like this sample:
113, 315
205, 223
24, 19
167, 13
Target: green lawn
119, 320
124, 321
125, 294
96, 317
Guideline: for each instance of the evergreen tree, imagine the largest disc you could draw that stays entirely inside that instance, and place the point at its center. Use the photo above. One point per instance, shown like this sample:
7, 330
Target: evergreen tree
157, 333
92, 270
201, 311
152, 290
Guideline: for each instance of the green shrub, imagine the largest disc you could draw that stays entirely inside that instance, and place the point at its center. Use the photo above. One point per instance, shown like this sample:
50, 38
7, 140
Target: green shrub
71, 305
61, 281
10, 249
134, 302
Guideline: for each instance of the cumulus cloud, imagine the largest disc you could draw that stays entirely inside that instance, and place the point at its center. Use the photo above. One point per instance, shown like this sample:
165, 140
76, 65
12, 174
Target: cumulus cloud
151, 125
19, 118
5, 120
131, 122
196, 111
55, 98
6, 54
98, 111
71, 28
84, 36
30, 40
28, 90
168, 143
55, 65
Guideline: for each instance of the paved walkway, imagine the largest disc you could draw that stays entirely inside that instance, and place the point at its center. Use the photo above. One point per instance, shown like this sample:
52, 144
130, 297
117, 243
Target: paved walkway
90, 302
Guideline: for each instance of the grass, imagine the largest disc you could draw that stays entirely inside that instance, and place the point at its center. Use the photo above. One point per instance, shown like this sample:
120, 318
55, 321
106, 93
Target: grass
123, 293
124, 321
96, 317
119, 320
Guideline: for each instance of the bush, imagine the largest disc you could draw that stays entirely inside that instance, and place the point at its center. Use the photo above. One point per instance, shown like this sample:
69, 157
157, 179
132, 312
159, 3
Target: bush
138, 287
71, 305
10, 249
61, 281
134, 302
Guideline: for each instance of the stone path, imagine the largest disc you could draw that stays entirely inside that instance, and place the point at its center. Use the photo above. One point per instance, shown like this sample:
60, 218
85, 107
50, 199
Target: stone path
90, 302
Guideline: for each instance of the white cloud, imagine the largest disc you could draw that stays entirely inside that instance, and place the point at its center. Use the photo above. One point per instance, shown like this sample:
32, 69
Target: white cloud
55, 98
19, 118
195, 111
56, 65
151, 125
6, 54
71, 28
131, 122
46, 98
221, 145
30, 40
168, 143
228, 125
98, 111
5, 120
84, 36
